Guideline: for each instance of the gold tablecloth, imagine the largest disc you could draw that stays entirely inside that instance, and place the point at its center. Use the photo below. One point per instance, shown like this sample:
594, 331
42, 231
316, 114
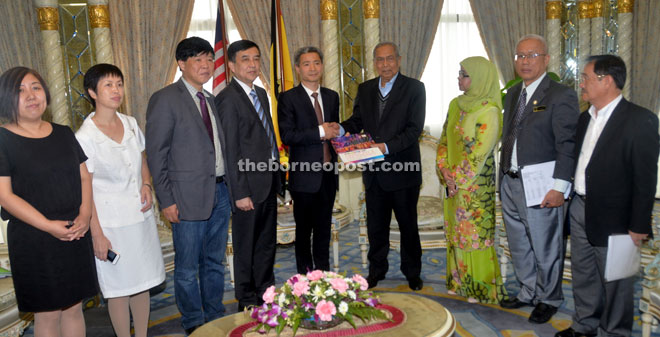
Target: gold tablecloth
424, 317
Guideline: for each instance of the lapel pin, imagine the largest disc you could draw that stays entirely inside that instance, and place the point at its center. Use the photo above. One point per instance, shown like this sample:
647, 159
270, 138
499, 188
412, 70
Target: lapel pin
535, 101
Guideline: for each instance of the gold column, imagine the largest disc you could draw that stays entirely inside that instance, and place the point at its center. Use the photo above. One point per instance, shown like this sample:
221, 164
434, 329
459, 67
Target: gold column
371, 10
597, 23
553, 11
99, 19
625, 37
48, 17
330, 44
584, 31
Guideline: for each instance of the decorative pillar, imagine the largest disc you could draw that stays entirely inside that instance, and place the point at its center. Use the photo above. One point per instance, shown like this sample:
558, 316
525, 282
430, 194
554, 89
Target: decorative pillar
553, 10
584, 31
371, 12
99, 19
330, 44
48, 16
597, 23
625, 9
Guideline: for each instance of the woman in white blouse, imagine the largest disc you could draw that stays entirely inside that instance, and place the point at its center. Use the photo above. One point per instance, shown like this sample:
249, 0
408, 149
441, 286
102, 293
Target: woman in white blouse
122, 219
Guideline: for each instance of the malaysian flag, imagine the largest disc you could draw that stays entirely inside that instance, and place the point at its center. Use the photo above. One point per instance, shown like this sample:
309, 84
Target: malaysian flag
219, 69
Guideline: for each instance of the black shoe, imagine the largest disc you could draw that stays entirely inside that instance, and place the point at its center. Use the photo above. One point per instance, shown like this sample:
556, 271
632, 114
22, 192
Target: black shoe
373, 281
513, 303
572, 333
190, 330
415, 283
542, 313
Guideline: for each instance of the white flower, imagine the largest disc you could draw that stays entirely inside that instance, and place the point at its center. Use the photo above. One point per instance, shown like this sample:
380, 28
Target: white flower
330, 292
317, 293
351, 294
343, 308
281, 300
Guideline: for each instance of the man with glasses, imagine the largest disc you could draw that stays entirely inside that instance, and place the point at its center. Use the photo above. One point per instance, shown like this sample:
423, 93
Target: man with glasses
540, 116
617, 152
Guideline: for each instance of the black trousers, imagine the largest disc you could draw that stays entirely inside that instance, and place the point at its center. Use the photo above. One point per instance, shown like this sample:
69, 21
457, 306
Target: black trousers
313, 215
380, 205
254, 235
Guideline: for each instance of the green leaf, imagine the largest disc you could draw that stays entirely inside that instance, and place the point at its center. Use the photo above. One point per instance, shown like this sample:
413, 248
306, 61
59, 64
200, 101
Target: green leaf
296, 323
349, 319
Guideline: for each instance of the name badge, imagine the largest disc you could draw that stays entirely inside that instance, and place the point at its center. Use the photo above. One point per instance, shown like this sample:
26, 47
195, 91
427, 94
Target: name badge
539, 108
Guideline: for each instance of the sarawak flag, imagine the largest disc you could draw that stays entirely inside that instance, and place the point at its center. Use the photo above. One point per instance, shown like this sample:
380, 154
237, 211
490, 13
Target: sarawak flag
219, 69
281, 74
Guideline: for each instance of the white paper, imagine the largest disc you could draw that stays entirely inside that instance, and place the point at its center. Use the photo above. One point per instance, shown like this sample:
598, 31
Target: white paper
371, 154
623, 257
537, 181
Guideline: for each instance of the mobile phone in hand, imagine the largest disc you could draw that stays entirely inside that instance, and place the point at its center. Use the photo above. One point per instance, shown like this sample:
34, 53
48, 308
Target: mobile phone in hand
113, 256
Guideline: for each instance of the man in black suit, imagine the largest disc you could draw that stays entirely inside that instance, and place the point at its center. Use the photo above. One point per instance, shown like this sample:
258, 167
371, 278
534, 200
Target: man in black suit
186, 153
392, 108
617, 149
308, 116
539, 126
252, 171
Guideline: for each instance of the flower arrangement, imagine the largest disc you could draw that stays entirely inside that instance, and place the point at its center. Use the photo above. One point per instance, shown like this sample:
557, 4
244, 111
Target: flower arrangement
314, 300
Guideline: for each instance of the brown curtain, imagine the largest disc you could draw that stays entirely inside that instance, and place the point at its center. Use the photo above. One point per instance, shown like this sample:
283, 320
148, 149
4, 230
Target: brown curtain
646, 55
411, 25
302, 19
502, 22
20, 38
252, 19
144, 38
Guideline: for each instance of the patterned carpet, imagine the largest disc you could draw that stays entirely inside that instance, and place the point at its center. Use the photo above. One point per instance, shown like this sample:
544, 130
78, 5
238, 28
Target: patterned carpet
473, 319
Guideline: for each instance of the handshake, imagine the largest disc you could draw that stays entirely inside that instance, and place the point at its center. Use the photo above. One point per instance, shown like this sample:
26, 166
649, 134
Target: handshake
331, 130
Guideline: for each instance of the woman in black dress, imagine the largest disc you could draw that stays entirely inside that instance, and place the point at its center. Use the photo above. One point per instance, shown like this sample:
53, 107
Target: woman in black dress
46, 194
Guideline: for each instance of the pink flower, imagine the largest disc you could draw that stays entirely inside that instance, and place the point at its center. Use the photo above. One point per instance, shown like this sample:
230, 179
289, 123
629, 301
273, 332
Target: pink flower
339, 284
325, 310
315, 275
475, 236
363, 283
300, 288
294, 279
269, 295
475, 245
488, 243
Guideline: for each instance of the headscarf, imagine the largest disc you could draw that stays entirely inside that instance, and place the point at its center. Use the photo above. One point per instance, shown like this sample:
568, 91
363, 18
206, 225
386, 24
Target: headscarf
485, 84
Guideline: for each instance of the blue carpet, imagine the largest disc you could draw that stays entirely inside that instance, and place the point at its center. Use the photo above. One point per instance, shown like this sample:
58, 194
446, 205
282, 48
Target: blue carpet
473, 319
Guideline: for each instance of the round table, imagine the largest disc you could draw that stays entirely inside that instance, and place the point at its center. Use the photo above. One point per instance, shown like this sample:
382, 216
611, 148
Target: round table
423, 317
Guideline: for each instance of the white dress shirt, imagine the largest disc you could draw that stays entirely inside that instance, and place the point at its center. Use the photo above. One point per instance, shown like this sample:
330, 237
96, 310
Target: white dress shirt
320, 99
596, 125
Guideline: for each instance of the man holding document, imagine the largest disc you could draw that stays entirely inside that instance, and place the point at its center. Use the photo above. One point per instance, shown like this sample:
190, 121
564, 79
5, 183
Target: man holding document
540, 116
391, 108
617, 149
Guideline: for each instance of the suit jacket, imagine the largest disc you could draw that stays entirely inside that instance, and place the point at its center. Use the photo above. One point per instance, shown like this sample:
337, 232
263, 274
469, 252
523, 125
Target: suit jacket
299, 129
547, 131
247, 143
180, 154
621, 174
399, 127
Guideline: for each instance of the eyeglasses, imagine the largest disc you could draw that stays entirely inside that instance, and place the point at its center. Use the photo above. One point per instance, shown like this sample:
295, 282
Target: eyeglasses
463, 74
531, 56
584, 77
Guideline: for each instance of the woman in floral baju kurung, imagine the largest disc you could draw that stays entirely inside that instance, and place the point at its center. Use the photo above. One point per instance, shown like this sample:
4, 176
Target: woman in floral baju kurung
467, 168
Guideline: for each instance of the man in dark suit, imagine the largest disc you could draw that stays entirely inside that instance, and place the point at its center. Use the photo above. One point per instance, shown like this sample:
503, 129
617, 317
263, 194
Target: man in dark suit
539, 126
252, 171
185, 150
308, 116
617, 149
392, 108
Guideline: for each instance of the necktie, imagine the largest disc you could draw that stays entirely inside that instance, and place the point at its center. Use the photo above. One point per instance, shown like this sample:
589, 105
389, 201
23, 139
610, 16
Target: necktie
507, 146
319, 118
205, 114
264, 121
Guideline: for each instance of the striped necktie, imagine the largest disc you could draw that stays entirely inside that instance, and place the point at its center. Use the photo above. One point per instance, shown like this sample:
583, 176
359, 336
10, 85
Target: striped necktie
264, 121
